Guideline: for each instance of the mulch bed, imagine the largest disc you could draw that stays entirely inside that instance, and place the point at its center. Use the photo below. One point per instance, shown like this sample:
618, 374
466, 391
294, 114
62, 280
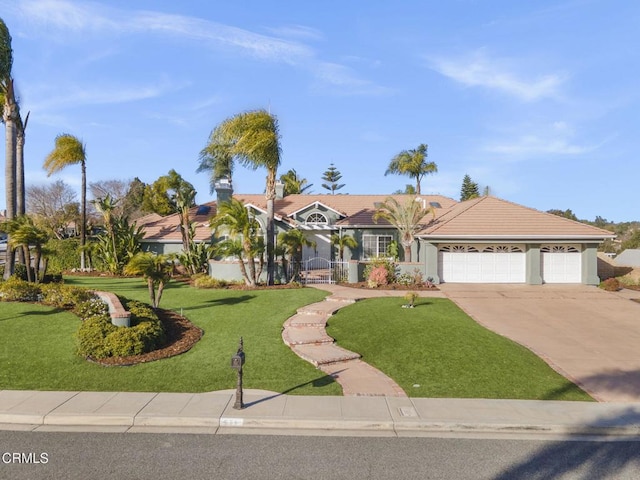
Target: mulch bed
181, 336
394, 286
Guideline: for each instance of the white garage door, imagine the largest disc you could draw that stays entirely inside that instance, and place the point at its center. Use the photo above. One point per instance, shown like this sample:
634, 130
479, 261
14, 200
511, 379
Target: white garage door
561, 264
482, 264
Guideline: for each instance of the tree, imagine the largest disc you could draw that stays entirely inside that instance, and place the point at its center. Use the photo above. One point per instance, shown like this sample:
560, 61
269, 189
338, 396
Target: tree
293, 242
155, 269
341, 241
332, 176
24, 233
217, 159
565, 214
293, 184
251, 138
469, 189
132, 202
69, 150
243, 241
54, 206
412, 163
408, 190
407, 218
10, 116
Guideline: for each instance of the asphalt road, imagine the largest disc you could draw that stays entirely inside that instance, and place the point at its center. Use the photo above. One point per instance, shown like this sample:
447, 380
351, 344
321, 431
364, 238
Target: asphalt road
173, 456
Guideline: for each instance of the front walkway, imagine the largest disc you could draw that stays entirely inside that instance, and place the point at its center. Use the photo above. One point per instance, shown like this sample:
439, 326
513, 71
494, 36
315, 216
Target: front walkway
588, 335
305, 334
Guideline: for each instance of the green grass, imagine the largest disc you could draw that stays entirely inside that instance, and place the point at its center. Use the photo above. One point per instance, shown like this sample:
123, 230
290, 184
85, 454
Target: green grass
436, 350
37, 344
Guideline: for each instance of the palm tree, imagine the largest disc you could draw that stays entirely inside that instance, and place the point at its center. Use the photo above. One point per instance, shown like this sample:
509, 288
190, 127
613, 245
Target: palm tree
292, 242
9, 118
236, 221
155, 269
106, 206
342, 241
406, 218
25, 233
252, 139
293, 184
216, 158
412, 163
70, 151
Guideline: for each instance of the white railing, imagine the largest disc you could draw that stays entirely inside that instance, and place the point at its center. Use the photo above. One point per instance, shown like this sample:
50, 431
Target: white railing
320, 270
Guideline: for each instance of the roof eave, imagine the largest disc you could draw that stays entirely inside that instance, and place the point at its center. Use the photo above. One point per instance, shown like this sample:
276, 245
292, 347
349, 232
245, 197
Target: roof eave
592, 238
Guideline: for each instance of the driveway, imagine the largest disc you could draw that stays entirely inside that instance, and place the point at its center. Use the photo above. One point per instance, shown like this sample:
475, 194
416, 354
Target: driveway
588, 335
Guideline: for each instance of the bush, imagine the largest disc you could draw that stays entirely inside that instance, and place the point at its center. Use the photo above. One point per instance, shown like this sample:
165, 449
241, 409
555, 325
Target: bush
17, 290
98, 338
413, 278
377, 277
209, 282
610, 285
64, 296
65, 254
388, 265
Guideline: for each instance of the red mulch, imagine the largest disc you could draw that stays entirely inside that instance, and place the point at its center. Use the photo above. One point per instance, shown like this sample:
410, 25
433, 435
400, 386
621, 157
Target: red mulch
181, 336
394, 286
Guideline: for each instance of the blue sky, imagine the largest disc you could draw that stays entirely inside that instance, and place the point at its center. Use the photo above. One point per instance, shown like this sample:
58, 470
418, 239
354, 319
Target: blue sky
538, 100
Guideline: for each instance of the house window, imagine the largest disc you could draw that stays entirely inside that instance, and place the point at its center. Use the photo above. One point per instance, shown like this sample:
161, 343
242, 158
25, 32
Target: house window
316, 219
376, 245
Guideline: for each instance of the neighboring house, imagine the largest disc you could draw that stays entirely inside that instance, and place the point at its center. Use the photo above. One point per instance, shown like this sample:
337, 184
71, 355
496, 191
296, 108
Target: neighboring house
483, 240
628, 258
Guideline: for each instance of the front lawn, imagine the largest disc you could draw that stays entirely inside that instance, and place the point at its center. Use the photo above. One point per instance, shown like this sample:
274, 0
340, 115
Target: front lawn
37, 344
436, 350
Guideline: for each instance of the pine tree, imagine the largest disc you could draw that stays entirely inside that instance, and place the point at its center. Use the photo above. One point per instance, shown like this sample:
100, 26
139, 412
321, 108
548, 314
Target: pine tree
469, 189
332, 176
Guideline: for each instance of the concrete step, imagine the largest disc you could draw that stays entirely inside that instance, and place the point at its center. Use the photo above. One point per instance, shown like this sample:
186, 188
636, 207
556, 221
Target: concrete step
305, 336
326, 307
323, 354
358, 378
306, 319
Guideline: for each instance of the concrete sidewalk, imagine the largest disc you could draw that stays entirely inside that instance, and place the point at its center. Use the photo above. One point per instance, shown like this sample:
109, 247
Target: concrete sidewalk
272, 413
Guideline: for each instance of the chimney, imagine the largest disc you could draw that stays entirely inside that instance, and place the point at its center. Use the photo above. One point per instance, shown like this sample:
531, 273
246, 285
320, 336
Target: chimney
224, 190
279, 190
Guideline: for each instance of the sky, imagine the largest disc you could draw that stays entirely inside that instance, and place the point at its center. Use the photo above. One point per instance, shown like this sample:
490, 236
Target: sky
537, 100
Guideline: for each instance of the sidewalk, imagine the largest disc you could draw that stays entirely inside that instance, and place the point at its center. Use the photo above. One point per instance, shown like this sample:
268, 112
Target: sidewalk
272, 413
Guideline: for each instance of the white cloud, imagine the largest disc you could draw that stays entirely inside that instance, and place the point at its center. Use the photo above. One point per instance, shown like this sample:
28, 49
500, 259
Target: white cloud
480, 71
296, 31
346, 81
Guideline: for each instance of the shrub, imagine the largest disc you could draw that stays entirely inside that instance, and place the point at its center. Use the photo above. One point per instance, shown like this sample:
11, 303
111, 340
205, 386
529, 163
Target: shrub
377, 277
64, 296
209, 282
389, 266
413, 278
94, 307
65, 254
98, 338
610, 285
17, 290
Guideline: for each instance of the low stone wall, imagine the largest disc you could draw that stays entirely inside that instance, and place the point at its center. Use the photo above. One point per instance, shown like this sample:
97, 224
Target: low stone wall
607, 268
119, 316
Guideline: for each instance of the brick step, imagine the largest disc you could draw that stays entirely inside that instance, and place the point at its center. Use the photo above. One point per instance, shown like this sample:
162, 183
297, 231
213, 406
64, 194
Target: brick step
324, 354
305, 336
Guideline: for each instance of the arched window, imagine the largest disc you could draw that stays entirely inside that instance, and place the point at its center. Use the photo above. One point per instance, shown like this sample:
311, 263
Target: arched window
316, 219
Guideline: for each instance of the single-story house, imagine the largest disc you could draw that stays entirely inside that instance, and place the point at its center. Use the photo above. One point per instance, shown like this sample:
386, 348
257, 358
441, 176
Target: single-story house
483, 240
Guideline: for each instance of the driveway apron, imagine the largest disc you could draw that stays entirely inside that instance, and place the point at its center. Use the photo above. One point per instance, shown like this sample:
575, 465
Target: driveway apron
590, 336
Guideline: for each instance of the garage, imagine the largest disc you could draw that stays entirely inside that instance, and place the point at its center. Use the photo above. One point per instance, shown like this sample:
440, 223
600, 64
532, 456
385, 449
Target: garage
482, 264
561, 264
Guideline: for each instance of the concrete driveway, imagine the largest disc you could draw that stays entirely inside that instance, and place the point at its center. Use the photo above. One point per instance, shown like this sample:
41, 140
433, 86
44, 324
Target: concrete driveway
590, 336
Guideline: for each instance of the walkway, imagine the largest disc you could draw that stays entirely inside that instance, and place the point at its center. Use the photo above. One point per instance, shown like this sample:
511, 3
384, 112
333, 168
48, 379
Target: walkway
305, 334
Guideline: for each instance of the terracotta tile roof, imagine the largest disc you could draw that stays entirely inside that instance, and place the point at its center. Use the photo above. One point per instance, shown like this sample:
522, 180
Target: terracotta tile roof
493, 217
158, 228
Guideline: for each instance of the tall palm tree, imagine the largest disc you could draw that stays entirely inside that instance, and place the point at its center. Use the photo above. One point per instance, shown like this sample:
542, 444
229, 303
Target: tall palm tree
9, 118
69, 150
155, 269
342, 242
252, 139
293, 184
412, 163
293, 242
236, 221
216, 158
406, 217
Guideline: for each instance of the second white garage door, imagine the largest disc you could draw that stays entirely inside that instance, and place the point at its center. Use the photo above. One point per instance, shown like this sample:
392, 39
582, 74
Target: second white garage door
561, 264
482, 264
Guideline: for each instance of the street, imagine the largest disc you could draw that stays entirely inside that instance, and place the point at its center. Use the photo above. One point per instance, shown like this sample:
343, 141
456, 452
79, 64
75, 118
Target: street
39, 455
